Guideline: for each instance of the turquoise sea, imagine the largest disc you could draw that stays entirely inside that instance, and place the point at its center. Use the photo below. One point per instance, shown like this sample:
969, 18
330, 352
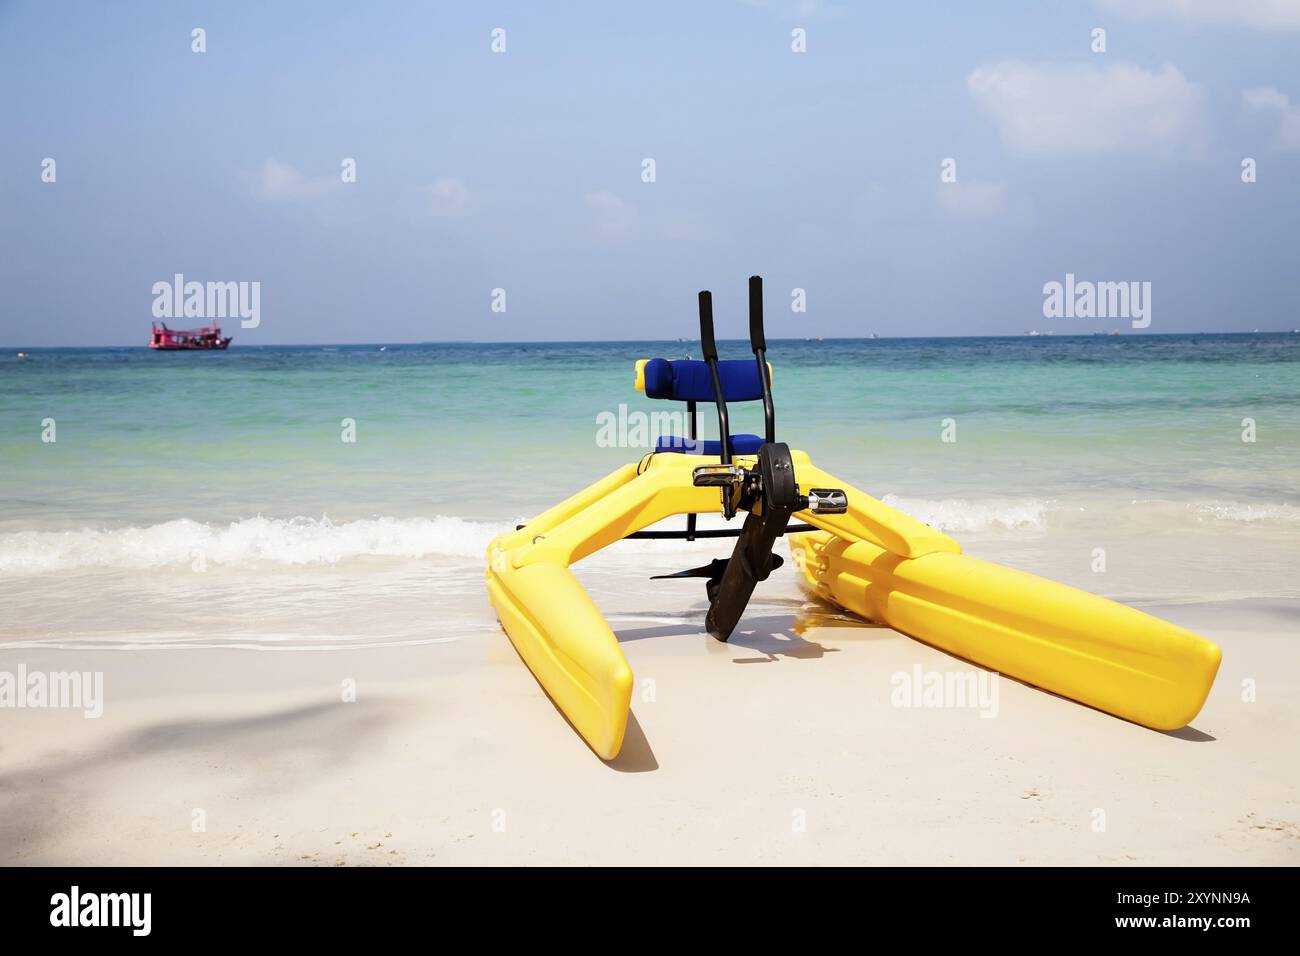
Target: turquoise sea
235, 463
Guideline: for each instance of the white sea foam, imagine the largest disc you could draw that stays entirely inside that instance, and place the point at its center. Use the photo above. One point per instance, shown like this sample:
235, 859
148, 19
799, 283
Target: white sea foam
1248, 512
294, 541
965, 516
320, 541
957, 515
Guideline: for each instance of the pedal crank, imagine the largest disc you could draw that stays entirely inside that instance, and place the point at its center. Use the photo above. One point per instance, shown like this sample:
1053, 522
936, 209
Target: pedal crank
771, 496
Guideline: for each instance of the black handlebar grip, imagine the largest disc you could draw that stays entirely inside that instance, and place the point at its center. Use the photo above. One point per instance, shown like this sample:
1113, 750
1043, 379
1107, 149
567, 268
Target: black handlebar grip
707, 345
756, 339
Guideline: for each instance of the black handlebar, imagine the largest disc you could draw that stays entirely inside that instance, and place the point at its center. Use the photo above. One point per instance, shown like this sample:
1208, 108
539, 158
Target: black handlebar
707, 344
756, 340
710, 349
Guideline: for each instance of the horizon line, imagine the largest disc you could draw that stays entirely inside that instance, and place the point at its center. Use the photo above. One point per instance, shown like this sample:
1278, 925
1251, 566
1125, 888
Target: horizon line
829, 338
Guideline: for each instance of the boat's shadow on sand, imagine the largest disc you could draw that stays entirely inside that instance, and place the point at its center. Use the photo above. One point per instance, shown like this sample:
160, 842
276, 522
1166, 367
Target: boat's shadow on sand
773, 636
637, 756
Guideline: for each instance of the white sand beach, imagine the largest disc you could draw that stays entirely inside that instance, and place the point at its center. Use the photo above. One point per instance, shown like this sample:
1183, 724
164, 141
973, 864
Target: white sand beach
782, 746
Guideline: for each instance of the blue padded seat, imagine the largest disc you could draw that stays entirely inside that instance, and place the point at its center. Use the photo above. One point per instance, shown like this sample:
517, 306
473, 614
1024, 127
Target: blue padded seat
740, 445
688, 380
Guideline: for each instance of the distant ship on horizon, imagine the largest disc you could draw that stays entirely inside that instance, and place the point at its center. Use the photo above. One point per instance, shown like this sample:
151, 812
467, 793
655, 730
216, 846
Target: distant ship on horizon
208, 338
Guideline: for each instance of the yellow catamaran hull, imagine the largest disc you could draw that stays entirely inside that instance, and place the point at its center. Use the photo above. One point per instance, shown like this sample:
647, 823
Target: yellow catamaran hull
1090, 649
872, 560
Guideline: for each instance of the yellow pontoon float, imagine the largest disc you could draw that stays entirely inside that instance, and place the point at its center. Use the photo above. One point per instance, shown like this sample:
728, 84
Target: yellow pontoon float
849, 549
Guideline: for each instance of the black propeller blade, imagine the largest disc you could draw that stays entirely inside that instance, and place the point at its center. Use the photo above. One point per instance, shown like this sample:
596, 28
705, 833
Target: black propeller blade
714, 570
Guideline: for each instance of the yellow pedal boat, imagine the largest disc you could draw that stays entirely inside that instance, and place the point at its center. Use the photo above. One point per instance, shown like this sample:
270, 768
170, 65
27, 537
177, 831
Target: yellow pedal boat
849, 549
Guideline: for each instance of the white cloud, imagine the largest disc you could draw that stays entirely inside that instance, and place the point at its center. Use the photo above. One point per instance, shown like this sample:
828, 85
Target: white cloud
975, 197
1045, 109
448, 197
281, 182
612, 214
615, 219
1268, 100
604, 201
1262, 14
1265, 98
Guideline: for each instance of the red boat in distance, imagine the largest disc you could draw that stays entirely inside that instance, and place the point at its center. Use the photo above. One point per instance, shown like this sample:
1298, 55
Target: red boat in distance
171, 340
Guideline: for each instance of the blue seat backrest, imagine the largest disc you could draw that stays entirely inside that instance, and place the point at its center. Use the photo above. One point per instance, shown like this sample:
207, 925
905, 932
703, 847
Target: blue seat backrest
688, 380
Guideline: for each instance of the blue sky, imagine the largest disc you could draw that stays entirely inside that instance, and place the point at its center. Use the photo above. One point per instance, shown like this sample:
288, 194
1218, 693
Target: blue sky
522, 170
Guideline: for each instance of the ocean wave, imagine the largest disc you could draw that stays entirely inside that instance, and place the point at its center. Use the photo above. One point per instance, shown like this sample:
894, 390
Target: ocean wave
292, 541
959, 515
1245, 512
320, 541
